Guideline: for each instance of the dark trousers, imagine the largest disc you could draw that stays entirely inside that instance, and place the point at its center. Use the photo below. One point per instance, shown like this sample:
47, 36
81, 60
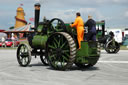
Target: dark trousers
91, 36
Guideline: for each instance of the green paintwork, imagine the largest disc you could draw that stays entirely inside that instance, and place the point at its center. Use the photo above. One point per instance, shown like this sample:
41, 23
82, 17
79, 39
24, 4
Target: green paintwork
99, 31
39, 41
88, 52
70, 29
39, 29
100, 23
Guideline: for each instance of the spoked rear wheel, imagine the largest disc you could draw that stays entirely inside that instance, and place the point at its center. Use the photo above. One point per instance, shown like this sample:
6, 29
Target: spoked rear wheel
112, 48
23, 55
61, 51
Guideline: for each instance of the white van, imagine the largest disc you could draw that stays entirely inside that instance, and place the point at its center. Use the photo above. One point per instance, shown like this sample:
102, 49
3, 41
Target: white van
118, 34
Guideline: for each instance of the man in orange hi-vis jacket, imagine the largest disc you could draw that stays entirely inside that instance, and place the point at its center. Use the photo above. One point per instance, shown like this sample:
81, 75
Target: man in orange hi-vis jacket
79, 24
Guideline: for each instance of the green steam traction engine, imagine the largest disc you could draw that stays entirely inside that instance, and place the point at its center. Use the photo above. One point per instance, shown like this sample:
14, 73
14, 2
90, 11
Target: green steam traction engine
106, 41
56, 44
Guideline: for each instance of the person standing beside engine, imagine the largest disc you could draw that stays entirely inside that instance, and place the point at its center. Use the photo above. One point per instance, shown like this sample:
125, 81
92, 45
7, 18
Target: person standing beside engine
79, 24
91, 24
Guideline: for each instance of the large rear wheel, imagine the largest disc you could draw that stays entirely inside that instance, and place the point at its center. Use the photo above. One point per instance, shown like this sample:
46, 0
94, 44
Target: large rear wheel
61, 50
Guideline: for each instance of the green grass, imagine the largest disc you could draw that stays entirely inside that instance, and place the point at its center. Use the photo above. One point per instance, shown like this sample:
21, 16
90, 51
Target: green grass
123, 47
8, 48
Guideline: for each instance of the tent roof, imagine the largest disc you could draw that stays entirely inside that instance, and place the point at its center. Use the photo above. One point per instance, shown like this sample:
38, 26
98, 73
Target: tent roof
26, 28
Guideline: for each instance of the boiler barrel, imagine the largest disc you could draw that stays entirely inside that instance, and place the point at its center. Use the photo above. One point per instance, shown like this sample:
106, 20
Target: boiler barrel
39, 42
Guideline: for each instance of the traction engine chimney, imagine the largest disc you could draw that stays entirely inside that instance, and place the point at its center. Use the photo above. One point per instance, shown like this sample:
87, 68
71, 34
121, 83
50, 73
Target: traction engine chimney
37, 14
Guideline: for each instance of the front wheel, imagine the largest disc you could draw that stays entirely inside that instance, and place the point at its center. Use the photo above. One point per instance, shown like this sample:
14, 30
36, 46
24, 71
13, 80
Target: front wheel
23, 55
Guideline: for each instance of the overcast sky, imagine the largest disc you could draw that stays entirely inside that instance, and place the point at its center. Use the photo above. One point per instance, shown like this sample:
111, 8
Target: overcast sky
114, 12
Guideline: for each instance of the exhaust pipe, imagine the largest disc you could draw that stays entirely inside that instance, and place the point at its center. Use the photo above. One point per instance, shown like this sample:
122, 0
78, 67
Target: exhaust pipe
37, 14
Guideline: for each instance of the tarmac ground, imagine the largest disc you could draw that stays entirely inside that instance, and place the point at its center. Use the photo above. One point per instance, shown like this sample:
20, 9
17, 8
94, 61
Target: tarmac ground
111, 69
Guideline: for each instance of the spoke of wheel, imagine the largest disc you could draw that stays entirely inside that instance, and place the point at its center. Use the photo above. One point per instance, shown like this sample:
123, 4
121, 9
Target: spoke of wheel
21, 59
63, 44
52, 57
63, 64
65, 58
24, 48
25, 60
53, 60
65, 51
63, 61
56, 41
51, 46
66, 54
62, 40
59, 42
66, 47
56, 63
53, 52
21, 49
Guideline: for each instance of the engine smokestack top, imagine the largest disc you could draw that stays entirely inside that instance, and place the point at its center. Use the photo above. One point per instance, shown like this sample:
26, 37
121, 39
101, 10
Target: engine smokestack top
37, 14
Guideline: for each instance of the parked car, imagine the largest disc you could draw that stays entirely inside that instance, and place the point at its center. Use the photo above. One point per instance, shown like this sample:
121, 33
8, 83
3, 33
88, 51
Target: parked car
1, 44
9, 42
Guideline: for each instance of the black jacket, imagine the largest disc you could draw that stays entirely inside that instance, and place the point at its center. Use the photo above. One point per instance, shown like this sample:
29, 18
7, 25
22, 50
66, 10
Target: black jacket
90, 23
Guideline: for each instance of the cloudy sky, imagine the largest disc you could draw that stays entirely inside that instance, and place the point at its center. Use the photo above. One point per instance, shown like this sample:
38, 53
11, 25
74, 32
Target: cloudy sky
114, 12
